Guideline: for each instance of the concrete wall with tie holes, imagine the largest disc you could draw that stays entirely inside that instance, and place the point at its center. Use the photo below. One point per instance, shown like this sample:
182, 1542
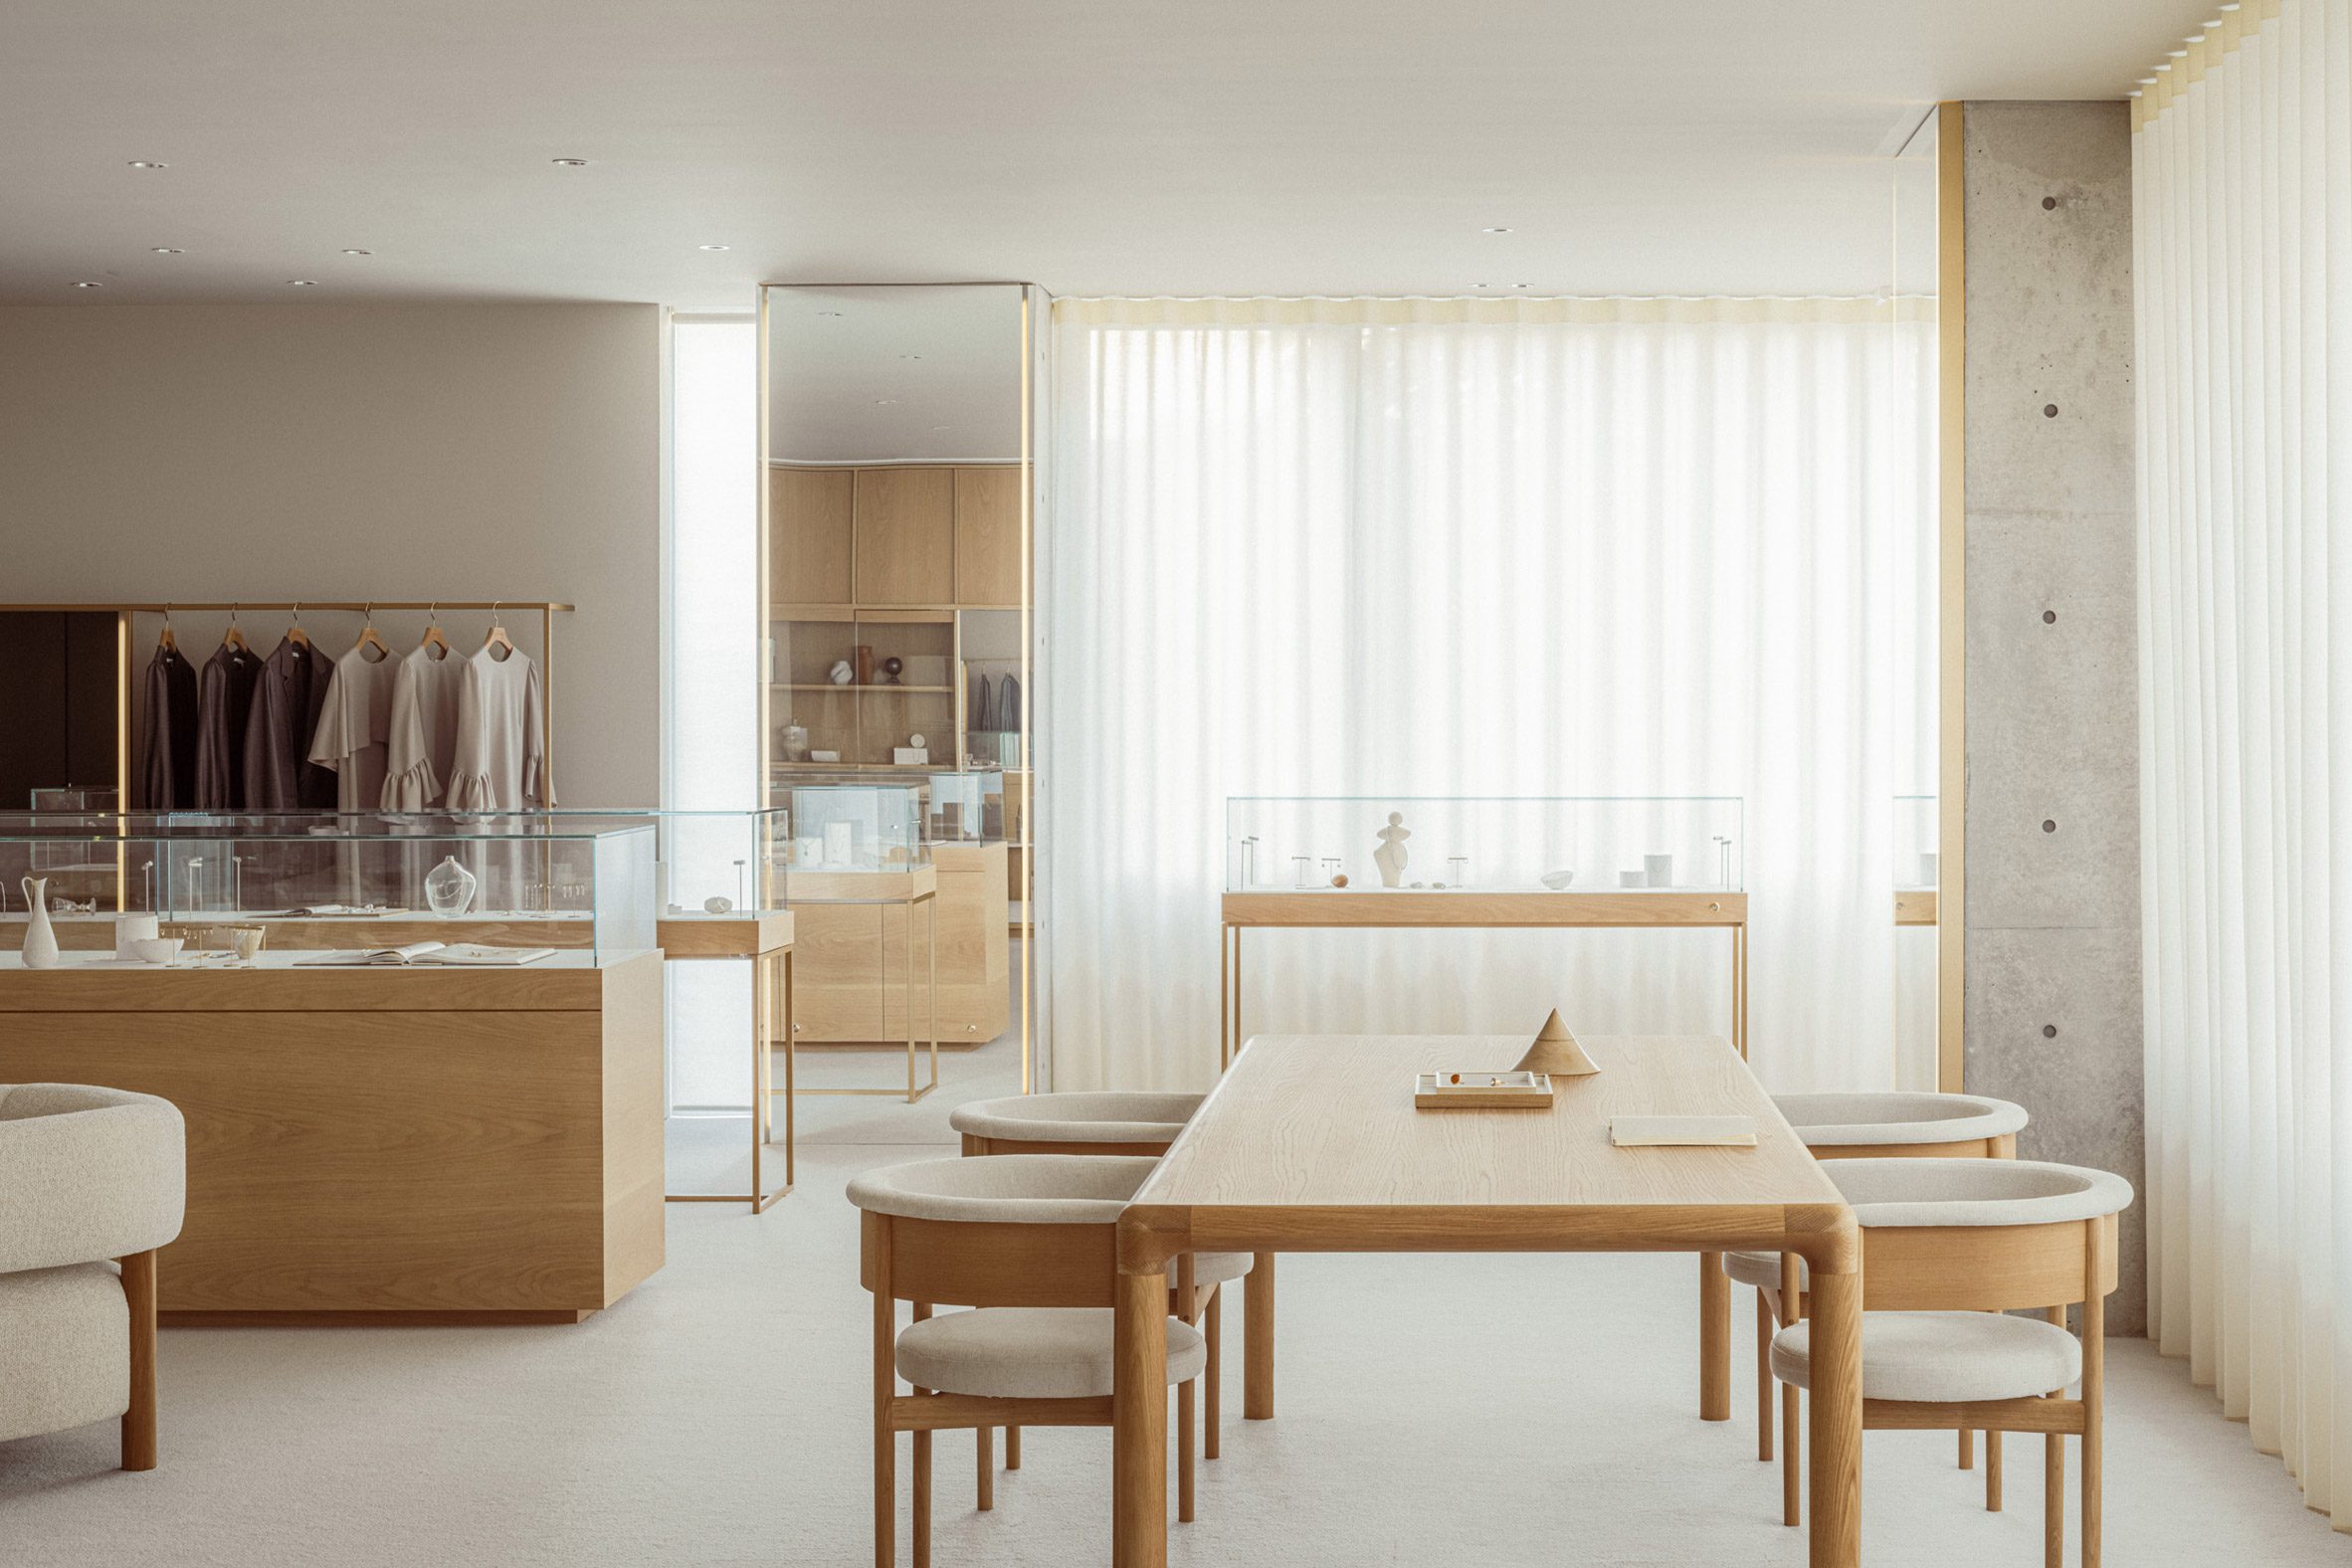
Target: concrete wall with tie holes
2052, 987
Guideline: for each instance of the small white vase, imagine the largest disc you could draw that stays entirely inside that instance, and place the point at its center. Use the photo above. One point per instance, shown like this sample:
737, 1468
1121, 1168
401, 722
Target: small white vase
39, 935
449, 888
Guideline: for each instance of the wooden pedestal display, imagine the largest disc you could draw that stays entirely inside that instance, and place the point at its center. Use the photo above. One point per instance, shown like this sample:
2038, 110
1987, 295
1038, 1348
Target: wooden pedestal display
408, 1145
850, 976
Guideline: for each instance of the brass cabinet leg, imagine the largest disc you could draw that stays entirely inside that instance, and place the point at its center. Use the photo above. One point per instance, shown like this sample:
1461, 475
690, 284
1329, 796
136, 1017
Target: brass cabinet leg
1714, 1339
138, 1422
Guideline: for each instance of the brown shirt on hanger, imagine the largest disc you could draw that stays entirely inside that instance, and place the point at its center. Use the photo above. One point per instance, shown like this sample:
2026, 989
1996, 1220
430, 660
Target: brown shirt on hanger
223, 703
286, 699
167, 733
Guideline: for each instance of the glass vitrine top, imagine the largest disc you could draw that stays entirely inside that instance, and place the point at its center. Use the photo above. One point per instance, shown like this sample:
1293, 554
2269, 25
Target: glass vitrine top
1485, 842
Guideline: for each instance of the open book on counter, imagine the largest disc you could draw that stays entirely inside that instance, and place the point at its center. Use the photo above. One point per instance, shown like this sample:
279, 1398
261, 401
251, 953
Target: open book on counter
472, 955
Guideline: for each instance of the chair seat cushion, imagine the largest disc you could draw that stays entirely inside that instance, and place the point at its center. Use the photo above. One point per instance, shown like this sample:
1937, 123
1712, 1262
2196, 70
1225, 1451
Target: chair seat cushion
1217, 1267
1760, 1269
1862, 1120
1094, 1116
1030, 1352
65, 1349
1943, 1358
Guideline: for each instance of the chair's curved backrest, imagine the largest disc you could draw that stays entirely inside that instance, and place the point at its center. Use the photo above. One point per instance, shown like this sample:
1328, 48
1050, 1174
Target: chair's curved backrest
1982, 1235
87, 1174
1903, 1125
1112, 1121
1019, 1230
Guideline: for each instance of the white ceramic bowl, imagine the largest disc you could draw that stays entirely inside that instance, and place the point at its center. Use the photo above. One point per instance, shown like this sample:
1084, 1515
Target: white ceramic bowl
155, 949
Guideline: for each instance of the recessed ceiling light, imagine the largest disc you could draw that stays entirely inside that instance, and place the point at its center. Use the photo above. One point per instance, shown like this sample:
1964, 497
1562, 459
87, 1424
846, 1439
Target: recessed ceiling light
1497, 229
2147, 81
147, 164
2179, 54
712, 247
569, 163
167, 250
89, 286
1519, 286
347, 251
301, 283
2196, 37
2134, 92
2167, 66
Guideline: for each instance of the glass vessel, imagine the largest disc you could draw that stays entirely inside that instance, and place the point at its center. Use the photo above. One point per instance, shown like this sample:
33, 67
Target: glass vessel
1489, 843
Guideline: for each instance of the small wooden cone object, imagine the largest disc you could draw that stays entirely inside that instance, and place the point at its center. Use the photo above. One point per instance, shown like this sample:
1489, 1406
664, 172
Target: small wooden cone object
1556, 1052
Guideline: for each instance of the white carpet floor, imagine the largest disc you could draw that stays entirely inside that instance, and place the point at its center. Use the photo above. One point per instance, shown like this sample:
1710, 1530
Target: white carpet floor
1454, 1410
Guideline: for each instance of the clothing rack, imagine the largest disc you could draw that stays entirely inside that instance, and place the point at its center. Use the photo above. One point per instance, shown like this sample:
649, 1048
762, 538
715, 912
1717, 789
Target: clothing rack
126, 665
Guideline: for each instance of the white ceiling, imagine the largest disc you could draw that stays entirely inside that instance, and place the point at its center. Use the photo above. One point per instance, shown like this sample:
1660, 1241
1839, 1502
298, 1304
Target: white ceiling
1325, 147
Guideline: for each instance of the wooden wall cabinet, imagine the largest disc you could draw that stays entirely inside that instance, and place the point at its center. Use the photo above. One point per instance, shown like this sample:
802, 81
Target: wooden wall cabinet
905, 537
988, 537
812, 518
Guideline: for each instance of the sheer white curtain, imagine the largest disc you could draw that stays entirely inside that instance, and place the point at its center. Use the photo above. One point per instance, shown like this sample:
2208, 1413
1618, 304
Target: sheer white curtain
1423, 547
2243, 203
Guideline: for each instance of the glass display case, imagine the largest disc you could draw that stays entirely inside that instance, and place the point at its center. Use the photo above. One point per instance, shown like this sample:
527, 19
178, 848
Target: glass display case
1918, 830
1585, 843
317, 880
965, 808
857, 827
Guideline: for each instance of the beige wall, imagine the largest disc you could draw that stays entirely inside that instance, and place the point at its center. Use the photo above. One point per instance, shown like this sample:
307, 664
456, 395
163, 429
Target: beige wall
399, 451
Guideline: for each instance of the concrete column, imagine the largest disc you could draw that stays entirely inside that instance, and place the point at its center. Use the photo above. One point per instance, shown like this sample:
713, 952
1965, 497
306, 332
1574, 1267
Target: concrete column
2051, 985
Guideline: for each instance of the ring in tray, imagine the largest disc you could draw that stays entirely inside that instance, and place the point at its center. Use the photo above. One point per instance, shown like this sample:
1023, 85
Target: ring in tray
1509, 1090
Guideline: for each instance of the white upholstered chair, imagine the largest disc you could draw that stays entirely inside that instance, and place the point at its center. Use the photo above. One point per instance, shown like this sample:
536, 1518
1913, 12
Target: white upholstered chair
1030, 1243
1949, 1248
92, 1182
1866, 1125
1117, 1121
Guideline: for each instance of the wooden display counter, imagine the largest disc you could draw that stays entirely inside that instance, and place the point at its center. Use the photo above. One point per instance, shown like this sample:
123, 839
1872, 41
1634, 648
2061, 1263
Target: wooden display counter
853, 956
383, 1144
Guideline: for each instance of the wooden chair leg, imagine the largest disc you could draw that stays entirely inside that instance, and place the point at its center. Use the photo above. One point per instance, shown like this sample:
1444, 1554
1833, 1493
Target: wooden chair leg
138, 1422
987, 1446
1212, 1411
2054, 1502
1184, 1452
1763, 1379
1991, 1471
922, 1499
1012, 1447
1791, 1458
1967, 1449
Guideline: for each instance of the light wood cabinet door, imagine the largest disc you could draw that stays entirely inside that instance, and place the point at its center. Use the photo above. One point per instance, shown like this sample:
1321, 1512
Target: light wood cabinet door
988, 536
809, 518
905, 534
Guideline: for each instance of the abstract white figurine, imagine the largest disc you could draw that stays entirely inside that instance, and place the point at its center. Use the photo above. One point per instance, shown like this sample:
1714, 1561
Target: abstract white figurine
1390, 857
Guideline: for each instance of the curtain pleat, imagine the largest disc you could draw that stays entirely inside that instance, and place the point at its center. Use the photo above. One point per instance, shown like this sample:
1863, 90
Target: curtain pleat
2243, 211
1486, 547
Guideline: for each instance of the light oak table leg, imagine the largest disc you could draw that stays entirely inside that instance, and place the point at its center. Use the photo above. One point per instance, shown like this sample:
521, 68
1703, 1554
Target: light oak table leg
1211, 1411
1764, 1327
1835, 1310
1714, 1339
1139, 1423
138, 1422
1257, 1347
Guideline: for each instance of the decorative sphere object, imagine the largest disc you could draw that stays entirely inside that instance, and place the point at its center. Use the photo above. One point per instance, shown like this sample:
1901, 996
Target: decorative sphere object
891, 668
916, 741
718, 903
841, 673
1339, 880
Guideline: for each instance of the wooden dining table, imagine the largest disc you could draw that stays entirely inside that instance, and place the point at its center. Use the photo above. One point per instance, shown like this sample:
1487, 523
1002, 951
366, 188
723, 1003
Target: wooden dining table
1312, 1143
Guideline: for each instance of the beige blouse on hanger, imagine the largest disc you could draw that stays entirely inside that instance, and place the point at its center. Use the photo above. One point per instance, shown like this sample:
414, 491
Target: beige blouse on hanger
500, 764
421, 744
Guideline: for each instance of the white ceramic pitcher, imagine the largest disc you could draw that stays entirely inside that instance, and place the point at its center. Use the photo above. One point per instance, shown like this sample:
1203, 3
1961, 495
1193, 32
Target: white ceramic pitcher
39, 935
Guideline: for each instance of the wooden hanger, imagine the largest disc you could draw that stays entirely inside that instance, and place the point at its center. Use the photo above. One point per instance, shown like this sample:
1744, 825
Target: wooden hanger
496, 636
167, 640
369, 639
295, 633
234, 636
433, 637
